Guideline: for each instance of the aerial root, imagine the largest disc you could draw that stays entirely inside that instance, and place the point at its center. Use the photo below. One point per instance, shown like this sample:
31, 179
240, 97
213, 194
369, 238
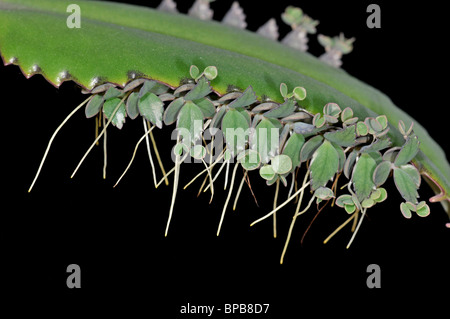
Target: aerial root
352, 217
239, 190
275, 198
146, 124
53, 137
134, 154
100, 135
175, 187
228, 197
166, 180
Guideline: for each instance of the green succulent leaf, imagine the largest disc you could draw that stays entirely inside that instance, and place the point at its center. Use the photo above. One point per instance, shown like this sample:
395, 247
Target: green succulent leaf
379, 195
94, 106
200, 90
132, 105
324, 165
281, 164
382, 119
267, 172
362, 129
346, 114
405, 185
413, 172
310, 147
206, 106
210, 72
262, 140
343, 137
381, 173
194, 71
293, 148
172, 110
377, 145
422, 210
408, 151
362, 176
332, 109
249, 160
152, 108
299, 93
119, 117
247, 98
324, 193
190, 122
405, 210
235, 129
285, 109
283, 90
350, 209
349, 163
344, 200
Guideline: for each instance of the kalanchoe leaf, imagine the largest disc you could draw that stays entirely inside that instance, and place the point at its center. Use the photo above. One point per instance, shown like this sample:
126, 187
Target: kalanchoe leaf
206, 106
362, 129
283, 90
367, 203
330, 119
247, 98
183, 88
198, 151
210, 72
343, 137
362, 176
249, 159
324, 193
152, 108
132, 105
119, 117
405, 185
94, 106
350, 209
111, 93
379, 195
344, 200
349, 163
293, 147
264, 107
216, 121
422, 210
261, 140
412, 171
201, 89
305, 128
408, 151
346, 114
377, 145
171, 112
310, 147
234, 128
194, 71
283, 110
341, 156
405, 210
324, 165
381, 173
267, 172
373, 125
299, 93
403, 129
297, 116
382, 119
391, 154
318, 121
281, 164
190, 122
350, 121
332, 109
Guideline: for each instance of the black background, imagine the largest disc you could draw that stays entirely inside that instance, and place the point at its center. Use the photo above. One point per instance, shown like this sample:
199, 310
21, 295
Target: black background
116, 235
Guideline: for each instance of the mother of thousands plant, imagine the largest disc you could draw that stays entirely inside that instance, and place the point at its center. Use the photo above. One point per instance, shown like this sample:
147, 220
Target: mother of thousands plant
215, 81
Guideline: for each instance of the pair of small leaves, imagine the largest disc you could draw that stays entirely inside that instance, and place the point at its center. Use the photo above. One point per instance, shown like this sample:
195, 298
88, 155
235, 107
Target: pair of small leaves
210, 72
421, 209
351, 202
279, 165
331, 113
298, 93
109, 101
377, 127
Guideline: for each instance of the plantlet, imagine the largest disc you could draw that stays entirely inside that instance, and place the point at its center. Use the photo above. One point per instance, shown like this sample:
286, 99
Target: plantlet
315, 117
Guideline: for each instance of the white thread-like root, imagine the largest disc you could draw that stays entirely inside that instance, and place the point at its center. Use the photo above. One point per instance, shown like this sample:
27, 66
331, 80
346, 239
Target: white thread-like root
363, 213
239, 190
105, 153
175, 188
99, 136
134, 154
149, 152
228, 198
53, 137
